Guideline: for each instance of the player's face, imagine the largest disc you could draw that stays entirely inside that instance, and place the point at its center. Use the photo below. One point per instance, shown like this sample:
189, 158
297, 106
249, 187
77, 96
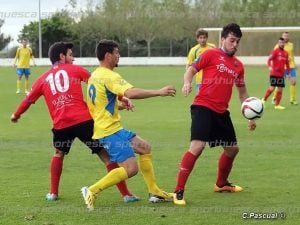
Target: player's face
281, 44
114, 57
202, 39
24, 43
230, 44
69, 57
285, 36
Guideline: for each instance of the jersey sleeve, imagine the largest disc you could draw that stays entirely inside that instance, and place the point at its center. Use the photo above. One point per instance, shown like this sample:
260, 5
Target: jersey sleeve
240, 80
202, 61
270, 58
118, 85
84, 74
36, 91
17, 55
190, 57
30, 50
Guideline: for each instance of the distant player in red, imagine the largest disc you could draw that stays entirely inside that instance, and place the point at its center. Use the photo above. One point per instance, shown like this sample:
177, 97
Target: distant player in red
277, 62
211, 122
61, 88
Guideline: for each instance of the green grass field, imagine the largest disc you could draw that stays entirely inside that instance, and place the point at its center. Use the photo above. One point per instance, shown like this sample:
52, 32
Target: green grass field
267, 166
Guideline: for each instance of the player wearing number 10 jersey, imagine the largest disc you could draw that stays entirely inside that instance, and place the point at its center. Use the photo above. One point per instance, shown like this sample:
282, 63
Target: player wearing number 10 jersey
61, 88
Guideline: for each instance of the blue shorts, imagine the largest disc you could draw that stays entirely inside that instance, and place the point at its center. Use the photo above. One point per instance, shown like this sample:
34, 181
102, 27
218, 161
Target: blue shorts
293, 72
23, 71
118, 145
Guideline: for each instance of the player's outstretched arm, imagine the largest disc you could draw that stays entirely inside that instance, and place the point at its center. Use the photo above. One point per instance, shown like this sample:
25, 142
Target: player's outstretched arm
187, 80
243, 93
138, 93
24, 105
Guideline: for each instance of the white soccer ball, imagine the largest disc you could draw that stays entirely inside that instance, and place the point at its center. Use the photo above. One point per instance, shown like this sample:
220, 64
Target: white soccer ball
252, 108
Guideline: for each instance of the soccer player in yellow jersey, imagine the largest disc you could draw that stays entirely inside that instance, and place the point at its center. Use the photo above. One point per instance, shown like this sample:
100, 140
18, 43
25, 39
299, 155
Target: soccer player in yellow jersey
201, 37
104, 87
23, 56
289, 47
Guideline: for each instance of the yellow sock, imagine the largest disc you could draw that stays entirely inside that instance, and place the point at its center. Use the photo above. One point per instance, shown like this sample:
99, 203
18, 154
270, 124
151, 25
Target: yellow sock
275, 93
18, 84
292, 92
26, 85
115, 176
145, 162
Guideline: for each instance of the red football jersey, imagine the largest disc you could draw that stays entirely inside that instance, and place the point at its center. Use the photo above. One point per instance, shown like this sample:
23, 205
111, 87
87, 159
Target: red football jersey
220, 72
278, 59
61, 88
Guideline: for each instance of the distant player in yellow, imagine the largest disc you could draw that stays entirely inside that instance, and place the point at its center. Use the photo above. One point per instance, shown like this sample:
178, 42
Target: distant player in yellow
201, 37
23, 56
104, 89
289, 47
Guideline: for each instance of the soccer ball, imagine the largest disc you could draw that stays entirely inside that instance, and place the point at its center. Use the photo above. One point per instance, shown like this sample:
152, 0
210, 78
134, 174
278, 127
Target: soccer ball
252, 108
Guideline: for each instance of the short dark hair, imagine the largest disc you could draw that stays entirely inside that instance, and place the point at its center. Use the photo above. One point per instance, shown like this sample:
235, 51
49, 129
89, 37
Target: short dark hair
58, 48
281, 39
231, 28
200, 31
104, 46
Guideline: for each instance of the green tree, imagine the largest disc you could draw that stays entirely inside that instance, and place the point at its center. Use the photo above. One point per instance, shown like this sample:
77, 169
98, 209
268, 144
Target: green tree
175, 19
58, 27
4, 39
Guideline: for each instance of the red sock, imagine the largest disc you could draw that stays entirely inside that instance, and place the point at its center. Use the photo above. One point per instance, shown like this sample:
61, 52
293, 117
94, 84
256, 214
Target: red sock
267, 94
225, 165
185, 168
122, 186
55, 170
278, 97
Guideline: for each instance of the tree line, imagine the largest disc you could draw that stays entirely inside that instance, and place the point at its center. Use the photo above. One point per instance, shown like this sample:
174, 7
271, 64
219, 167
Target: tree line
157, 27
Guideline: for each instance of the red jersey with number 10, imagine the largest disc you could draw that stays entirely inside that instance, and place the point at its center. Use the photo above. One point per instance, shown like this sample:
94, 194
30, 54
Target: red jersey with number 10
220, 72
61, 88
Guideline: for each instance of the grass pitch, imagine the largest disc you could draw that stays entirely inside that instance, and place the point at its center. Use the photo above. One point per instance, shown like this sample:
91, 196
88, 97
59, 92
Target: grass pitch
267, 166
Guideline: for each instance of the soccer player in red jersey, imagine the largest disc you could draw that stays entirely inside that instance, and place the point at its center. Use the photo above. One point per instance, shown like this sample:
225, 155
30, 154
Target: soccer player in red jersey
211, 122
277, 61
61, 88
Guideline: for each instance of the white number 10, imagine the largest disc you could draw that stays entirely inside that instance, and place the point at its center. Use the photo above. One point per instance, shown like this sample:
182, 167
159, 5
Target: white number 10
58, 82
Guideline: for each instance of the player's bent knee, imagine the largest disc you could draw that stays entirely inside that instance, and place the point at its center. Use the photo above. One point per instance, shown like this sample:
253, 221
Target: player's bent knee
59, 153
232, 151
132, 171
131, 166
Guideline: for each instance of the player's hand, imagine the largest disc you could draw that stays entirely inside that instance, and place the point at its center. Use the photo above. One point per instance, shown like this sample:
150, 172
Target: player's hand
186, 89
251, 125
126, 103
168, 91
14, 118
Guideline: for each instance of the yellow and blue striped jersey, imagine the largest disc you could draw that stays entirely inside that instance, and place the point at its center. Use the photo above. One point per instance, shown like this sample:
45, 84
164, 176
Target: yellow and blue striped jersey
289, 47
104, 87
194, 54
23, 56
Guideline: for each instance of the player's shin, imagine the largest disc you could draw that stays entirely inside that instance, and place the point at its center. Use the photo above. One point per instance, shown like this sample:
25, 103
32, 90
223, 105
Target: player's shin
115, 176
146, 167
185, 168
292, 92
278, 97
56, 166
225, 165
122, 186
